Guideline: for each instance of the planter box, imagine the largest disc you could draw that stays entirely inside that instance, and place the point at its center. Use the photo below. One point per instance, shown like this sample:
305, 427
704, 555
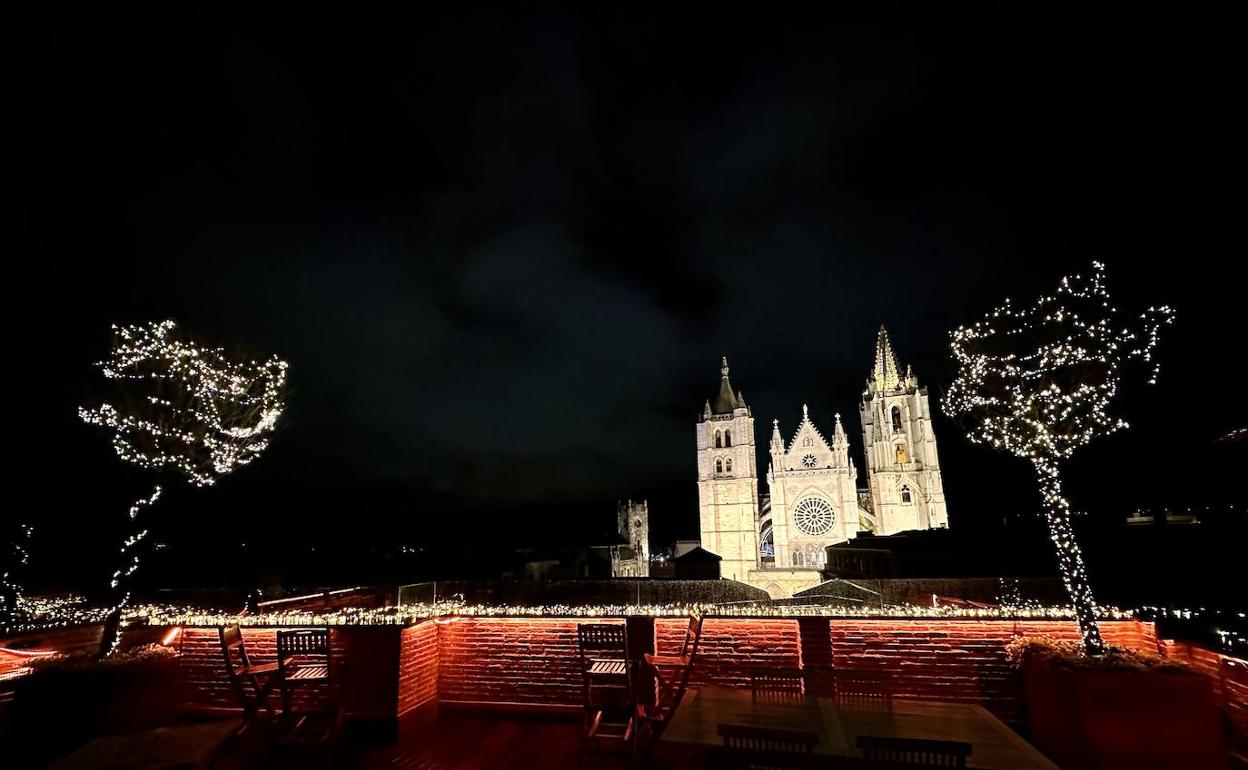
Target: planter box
1091, 719
58, 709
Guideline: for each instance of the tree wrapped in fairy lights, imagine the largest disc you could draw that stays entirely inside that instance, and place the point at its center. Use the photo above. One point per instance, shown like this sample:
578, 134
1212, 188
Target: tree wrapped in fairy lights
185, 410
13, 560
1037, 381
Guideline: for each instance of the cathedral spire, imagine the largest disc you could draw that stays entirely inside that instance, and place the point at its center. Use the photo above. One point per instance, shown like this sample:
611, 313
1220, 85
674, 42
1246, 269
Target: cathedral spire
725, 401
886, 373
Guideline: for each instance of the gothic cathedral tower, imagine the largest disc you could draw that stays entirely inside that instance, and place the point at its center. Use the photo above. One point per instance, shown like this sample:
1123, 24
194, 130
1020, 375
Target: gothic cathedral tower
728, 481
903, 470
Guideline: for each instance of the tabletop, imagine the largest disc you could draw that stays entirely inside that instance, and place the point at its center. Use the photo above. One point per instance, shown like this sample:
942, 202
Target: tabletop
995, 746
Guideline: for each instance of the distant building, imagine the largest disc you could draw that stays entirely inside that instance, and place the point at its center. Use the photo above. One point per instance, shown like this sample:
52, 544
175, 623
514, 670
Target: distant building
632, 557
778, 541
698, 564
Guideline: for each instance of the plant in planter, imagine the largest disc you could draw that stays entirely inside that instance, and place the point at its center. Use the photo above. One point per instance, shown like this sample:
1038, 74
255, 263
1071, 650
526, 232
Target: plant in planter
1120, 709
68, 699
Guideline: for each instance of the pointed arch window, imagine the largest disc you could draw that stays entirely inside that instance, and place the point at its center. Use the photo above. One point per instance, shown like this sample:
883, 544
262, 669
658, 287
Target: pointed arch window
719, 440
906, 497
797, 559
728, 465
896, 419
719, 466
727, 438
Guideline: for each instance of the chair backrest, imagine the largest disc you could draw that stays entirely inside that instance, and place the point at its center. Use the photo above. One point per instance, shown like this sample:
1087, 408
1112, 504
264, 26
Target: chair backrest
303, 643
746, 746
883, 753
602, 637
864, 687
233, 649
787, 681
693, 634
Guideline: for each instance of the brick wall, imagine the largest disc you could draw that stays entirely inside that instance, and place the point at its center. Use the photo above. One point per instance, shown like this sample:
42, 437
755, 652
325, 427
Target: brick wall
418, 666
529, 661
532, 662
1230, 684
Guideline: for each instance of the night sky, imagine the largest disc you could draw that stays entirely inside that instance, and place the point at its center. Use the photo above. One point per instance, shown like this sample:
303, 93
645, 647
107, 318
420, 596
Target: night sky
503, 252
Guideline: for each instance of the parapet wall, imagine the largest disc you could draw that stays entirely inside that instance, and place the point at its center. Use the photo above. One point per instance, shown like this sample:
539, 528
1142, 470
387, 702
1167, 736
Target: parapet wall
532, 662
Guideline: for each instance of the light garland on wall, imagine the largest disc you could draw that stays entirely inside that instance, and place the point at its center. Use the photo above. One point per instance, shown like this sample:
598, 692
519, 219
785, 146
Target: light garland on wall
202, 414
1037, 382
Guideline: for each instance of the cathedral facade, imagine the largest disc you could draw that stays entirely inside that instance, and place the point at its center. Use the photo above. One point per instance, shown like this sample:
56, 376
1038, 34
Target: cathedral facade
776, 540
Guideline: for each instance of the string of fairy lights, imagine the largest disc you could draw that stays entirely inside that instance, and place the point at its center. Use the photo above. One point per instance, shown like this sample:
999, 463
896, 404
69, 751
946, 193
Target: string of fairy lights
51, 614
1038, 381
203, 414
218, 417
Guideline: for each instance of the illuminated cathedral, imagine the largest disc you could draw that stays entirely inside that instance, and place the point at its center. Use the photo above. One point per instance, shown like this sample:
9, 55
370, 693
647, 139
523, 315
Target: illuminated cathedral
776, 540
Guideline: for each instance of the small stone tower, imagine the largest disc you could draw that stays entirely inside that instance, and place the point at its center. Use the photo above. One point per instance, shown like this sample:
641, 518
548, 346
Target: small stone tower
903, 469
633, 558
728, 480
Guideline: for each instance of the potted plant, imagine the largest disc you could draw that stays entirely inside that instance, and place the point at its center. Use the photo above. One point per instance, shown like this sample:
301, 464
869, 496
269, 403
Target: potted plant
69, 699
1120, 709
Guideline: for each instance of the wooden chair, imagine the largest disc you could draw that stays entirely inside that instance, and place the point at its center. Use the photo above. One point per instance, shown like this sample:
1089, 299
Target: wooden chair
303, 663
609, 705
767, 748
653, 718
678, 667
881, 753
239, 667
864, 688
777, 681
688, 647
312, 738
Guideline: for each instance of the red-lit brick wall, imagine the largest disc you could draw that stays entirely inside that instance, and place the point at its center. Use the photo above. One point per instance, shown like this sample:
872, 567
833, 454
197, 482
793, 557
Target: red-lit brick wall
958, 660
530, 661
729, 646
1230, 683
418, 666
533, 661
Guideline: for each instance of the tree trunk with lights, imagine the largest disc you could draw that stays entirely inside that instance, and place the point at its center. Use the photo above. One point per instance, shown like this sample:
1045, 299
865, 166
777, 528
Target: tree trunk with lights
1069, 557
131, 549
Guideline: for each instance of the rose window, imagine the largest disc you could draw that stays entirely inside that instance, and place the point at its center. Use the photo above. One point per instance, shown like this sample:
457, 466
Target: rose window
813, 516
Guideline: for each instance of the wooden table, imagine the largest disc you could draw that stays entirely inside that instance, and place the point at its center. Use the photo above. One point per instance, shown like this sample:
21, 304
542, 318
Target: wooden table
995, 746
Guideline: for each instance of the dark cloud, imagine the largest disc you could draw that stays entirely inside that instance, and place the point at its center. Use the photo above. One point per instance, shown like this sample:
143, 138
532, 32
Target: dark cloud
504, 253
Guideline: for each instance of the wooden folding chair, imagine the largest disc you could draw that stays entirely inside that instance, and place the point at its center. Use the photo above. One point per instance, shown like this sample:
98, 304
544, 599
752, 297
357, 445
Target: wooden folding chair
239, 667
609, 703
767, 748
864, 688
303, 663
678, 667
779, 681
886, 753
